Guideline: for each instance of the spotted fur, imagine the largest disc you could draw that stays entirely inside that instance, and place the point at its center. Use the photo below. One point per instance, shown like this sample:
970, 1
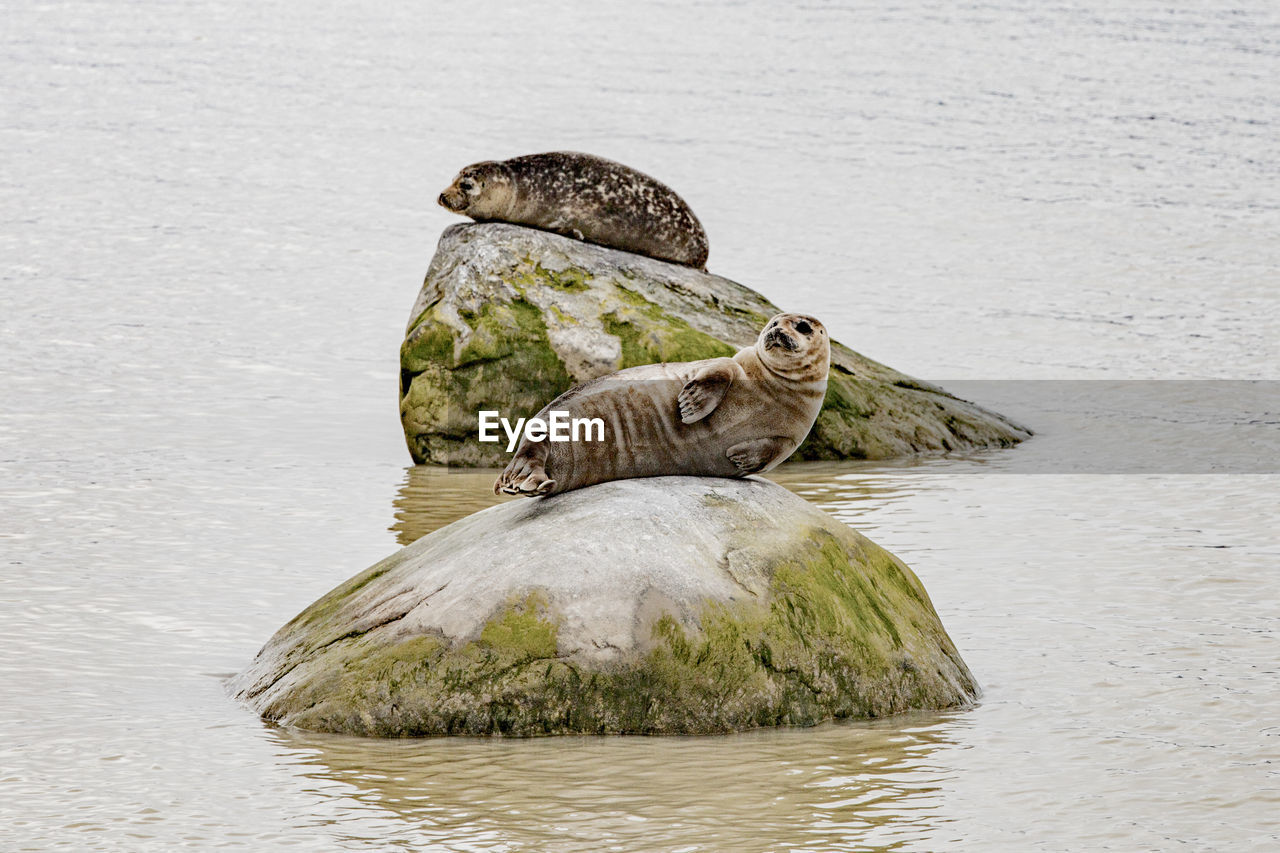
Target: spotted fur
585, 197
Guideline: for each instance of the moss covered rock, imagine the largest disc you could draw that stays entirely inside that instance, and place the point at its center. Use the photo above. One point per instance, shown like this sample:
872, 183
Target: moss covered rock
510, 317
664, 605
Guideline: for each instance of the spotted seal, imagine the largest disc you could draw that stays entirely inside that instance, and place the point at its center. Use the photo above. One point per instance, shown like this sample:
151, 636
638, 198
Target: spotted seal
721, 417
585, 197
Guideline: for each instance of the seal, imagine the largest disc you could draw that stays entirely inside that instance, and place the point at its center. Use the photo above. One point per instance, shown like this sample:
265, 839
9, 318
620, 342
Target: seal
585, 197
721, 417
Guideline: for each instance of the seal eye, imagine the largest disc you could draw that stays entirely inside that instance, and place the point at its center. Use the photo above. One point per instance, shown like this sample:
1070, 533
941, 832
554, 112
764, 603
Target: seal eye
466, 185
803, 328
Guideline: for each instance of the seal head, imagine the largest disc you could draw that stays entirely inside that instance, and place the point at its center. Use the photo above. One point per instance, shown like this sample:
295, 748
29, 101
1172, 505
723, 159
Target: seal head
484, 191
795, 346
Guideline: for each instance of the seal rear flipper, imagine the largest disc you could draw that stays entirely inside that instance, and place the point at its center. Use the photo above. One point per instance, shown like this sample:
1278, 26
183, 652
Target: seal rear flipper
760, 454
525, 475
701, 394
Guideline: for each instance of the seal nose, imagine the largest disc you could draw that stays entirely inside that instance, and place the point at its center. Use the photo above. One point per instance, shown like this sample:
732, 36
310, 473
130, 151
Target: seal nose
441, 201
779, 338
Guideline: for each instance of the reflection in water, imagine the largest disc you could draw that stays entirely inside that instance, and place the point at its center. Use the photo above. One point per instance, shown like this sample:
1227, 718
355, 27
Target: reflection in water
431, 497
871, 785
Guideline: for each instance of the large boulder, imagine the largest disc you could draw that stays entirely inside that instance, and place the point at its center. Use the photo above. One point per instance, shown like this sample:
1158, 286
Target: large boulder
510, 317
664, 605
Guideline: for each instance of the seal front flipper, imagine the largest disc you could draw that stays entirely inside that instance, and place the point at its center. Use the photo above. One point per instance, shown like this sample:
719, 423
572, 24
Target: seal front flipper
760, 454
701, 394
565, 227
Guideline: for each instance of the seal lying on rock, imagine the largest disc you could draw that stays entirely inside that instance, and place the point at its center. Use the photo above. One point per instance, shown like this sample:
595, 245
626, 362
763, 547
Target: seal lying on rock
585, 197
722, 417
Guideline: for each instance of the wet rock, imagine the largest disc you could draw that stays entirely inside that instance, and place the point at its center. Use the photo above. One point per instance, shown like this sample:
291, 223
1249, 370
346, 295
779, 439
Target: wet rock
663, 605
510, 317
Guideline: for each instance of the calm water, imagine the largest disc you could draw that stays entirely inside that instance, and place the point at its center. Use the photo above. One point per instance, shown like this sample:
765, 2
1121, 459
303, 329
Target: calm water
215, 219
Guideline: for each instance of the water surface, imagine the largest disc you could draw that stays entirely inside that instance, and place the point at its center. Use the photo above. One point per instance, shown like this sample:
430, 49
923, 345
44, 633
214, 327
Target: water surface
215, 217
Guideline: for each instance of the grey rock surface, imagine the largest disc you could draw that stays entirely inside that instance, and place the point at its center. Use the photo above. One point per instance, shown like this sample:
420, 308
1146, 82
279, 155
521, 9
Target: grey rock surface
510, 317
662, 605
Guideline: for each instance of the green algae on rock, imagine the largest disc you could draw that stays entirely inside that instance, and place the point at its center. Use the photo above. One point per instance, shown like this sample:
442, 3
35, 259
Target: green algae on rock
670, 605
510, 317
